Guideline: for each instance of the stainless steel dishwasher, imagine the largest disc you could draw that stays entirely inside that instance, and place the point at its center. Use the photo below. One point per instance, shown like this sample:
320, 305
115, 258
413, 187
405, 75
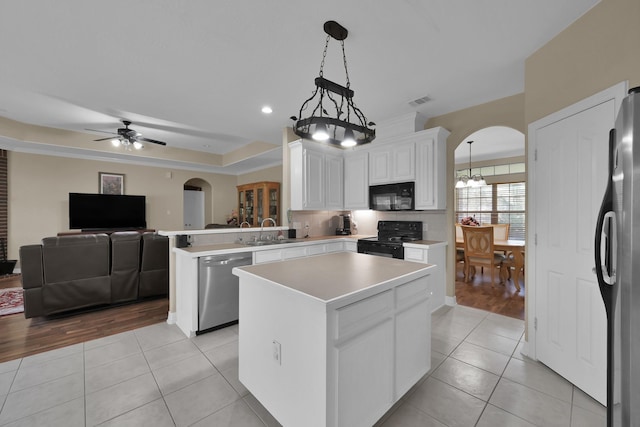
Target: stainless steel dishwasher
218, 289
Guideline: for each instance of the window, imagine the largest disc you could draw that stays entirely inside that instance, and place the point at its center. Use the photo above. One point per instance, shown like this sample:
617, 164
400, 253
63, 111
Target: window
494, 204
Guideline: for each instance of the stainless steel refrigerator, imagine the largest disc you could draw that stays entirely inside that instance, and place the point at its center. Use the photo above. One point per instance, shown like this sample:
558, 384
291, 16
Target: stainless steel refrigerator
617, 255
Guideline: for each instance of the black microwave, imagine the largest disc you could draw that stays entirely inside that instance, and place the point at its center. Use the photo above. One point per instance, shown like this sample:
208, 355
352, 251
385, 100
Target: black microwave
392, 197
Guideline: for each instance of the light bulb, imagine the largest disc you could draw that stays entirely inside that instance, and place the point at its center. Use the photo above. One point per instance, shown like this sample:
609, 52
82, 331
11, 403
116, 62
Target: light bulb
321, 133
349, 140
137, 145
115, 142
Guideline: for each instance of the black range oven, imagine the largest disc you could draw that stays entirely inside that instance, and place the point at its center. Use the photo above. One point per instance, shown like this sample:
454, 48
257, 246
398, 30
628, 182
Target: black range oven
391, 235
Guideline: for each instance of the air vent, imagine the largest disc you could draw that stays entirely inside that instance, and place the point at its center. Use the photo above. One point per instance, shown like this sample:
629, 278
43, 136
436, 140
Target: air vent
419, 101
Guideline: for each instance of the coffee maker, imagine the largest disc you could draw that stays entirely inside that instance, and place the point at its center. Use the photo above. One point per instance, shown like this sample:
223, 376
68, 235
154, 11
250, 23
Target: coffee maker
344, 225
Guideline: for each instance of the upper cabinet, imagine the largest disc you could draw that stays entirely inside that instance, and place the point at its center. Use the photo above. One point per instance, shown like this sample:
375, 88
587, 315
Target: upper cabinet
431, 167
392, 163
316, 176
356, 180
328, 178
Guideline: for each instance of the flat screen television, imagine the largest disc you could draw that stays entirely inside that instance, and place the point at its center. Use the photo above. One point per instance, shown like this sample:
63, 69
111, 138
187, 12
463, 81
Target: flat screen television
106, 212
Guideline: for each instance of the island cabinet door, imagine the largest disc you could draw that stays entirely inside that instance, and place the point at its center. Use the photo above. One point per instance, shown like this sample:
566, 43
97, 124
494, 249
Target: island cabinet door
363, 361
413, 334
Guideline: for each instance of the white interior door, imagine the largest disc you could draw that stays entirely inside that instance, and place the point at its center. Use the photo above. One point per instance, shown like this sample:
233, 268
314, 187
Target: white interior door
568, 178
193, 210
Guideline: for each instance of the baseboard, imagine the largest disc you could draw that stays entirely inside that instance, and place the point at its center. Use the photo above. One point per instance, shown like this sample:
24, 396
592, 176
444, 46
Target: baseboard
450, 301
525, 349
171, 318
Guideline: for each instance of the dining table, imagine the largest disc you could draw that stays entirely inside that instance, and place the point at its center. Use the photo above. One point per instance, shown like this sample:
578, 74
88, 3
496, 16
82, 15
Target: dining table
511, 246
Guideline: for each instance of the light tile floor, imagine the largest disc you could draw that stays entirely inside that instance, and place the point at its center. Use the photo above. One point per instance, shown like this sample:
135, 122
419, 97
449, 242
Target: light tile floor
155, 376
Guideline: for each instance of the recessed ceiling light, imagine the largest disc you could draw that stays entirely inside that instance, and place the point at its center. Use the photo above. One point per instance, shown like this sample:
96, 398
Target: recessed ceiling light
267, 110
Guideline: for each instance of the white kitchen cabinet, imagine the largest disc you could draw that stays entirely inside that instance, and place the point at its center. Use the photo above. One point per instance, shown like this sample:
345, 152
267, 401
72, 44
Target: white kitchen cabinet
413, 316
351, 246
363, 329
316, 178
353, 350
334, 182
298, 251
356, 180
431, 162
395, 162
431, 254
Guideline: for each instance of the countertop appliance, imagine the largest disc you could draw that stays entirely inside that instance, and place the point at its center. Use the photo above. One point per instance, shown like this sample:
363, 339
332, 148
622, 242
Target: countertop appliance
344, 225
392, 197
617, 252
391, 235
218, 294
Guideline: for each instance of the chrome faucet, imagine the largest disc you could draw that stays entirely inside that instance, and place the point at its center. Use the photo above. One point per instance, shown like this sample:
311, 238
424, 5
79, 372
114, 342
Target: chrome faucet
244, 222
262, 224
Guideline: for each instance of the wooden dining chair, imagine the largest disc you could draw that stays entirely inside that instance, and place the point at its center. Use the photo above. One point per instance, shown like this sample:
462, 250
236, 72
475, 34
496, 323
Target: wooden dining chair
479, 250
507, 265
459, 236
500, 231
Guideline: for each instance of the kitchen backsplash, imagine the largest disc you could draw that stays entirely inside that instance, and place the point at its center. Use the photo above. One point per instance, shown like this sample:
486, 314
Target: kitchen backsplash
323, 223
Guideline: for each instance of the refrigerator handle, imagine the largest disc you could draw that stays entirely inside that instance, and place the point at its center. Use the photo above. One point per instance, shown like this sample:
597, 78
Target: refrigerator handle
605, 265
606, 235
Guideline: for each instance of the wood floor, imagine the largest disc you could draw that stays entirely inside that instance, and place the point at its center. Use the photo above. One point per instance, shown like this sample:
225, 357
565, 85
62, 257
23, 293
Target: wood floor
501, 298
21, 337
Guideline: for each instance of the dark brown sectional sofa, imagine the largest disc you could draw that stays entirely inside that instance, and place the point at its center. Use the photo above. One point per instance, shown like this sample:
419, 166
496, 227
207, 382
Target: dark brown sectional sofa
72, 272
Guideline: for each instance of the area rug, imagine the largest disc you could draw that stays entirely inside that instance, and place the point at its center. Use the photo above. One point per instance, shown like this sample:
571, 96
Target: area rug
11, 301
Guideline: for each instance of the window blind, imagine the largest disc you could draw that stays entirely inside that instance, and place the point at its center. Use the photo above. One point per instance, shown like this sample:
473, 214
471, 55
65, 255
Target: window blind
495, 204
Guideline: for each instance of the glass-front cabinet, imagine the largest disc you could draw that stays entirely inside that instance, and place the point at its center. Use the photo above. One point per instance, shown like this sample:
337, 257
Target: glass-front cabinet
257, 201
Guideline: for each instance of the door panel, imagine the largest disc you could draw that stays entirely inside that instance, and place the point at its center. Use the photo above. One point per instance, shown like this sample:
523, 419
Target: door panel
570, 177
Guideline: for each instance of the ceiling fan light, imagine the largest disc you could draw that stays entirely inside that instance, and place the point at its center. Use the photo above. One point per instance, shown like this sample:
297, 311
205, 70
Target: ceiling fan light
137, 145
321, 133
115, 142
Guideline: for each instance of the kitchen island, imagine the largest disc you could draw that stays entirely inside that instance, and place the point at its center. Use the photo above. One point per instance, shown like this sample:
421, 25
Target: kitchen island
334, 339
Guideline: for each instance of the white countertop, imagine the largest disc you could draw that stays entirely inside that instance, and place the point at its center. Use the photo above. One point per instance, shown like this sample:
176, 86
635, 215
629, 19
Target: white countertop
333, 276
220, 230
227, 248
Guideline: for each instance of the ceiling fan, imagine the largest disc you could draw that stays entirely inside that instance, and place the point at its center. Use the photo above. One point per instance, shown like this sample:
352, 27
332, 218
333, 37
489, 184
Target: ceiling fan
128, 137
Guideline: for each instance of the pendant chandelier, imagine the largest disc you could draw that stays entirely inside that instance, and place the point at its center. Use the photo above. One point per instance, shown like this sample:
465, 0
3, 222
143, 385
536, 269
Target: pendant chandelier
334, 119
470, 180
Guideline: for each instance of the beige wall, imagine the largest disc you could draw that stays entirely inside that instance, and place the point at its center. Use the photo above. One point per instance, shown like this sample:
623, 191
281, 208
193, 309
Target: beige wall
596, 52
270, 174
39, 187
503, 112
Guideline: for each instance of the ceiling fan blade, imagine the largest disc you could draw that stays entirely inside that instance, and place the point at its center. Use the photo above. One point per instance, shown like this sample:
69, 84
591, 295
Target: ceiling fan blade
101, 131
153, 141
103, 139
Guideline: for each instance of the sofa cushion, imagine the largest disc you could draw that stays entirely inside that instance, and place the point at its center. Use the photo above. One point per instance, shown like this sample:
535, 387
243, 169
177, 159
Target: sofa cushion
125, 265
67, 258
154, 267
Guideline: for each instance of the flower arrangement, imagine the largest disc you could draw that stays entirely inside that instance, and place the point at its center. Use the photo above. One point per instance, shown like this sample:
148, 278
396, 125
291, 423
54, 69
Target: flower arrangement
469, 220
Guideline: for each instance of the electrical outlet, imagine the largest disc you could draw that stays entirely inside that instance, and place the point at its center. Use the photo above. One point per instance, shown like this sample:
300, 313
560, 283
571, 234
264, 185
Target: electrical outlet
277, 352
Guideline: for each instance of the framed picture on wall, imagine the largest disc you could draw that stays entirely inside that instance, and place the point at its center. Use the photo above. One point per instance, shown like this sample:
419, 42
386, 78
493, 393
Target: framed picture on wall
111, 183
